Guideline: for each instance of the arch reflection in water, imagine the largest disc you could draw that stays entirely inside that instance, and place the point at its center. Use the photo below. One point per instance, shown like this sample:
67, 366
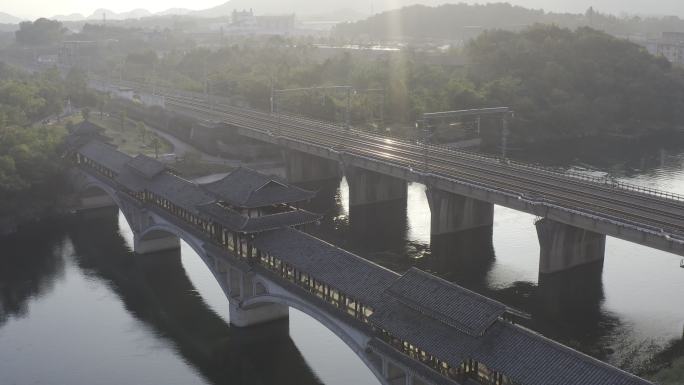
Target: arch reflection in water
333, 361
156, 290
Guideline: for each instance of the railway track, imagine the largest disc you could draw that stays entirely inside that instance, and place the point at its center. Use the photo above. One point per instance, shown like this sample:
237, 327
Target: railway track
654, 211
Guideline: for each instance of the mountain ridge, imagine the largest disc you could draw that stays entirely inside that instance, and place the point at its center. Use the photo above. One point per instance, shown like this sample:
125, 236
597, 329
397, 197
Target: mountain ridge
361, 8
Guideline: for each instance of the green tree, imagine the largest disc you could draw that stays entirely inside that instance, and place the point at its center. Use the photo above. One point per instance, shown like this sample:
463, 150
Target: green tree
85, 112
40, 32
122, 120
155, 144
142, 131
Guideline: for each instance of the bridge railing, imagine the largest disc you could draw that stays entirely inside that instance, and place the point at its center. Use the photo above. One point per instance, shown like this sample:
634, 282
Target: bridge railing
603, 180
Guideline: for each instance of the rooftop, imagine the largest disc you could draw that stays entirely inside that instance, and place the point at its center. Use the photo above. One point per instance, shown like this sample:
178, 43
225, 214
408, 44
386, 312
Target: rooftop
339, 268
146, 166
87, 127
144, 173
442, 318
105, 154
247, 188
451, 304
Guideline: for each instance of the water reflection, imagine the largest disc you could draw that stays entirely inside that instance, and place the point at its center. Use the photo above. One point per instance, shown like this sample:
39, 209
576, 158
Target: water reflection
156, 290
465, 257
378, 227
60, 313
28, 269
618, 312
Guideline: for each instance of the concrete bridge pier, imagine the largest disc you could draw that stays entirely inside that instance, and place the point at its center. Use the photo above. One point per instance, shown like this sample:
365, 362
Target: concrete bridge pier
369, 187
460, 234
301, 167
393, 373
451, 213
242, 287
377, 208
563, 247
572, 297
154, 242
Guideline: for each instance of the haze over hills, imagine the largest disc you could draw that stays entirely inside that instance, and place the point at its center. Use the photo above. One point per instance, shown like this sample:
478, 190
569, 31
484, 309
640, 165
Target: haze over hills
464, 21
6, 18
331, 9
111, 15
70, 17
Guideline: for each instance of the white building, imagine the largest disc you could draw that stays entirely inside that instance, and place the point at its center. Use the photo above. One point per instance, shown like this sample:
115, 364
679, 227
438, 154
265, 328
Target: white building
246, 23
669, 46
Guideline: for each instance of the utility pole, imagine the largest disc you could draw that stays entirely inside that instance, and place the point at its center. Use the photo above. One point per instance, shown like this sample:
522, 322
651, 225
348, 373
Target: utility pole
154, 77
272, 95
423, 127
382, 108
505, 132
348, 112
206, 79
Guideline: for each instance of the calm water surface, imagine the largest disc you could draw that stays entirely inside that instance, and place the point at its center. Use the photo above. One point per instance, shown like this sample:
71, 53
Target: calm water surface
77, 307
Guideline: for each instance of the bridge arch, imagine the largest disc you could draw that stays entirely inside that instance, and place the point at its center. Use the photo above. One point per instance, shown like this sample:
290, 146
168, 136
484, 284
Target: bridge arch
93, 185
353, 339
160, 228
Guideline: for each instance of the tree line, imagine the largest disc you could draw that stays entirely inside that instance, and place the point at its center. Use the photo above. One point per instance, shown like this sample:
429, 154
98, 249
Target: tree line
30, 172
562, 83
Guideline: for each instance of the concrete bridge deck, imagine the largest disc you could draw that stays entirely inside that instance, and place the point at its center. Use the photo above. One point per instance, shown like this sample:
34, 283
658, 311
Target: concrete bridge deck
648, 217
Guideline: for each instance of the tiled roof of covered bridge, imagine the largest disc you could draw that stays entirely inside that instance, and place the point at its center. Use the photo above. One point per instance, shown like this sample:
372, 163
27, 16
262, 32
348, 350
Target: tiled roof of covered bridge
525, 357
249, 189
339, 268
444, 301
105, 154
441, 318
146, 166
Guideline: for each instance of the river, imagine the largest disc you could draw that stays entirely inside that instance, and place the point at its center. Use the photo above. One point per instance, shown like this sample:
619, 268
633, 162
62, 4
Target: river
78, 307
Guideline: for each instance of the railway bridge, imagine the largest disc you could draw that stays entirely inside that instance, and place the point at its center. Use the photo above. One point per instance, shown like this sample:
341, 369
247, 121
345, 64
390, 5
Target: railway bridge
409, 329
574, 212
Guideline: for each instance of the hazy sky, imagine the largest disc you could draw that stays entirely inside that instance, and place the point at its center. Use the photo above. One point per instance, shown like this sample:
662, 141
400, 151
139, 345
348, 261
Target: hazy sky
35, 8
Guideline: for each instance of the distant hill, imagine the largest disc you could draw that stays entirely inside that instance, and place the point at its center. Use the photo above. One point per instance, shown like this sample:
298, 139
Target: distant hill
312, 9
463, 21
6, 18
111, 15
174, 11
70, 17
224, 9
319, 7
